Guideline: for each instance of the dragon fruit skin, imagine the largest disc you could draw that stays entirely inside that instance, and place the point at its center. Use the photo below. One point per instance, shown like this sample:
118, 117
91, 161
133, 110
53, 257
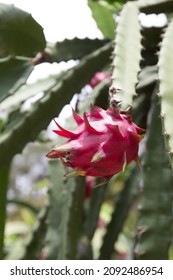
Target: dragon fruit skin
102, 144
99, 77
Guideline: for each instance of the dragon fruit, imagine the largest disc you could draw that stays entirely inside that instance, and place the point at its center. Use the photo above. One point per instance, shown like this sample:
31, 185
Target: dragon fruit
103, 143
99, 77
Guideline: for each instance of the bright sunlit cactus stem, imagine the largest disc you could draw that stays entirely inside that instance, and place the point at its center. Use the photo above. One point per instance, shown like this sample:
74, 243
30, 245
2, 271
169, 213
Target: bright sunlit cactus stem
102, 145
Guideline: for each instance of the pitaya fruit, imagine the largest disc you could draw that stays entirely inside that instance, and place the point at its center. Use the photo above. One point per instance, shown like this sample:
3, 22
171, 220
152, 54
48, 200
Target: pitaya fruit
99, 77
102, 145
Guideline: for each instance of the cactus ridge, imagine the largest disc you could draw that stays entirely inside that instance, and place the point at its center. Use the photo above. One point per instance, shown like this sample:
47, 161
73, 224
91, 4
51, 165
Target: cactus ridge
43, 111
155, 219
125, 59
155, 6
166, 88
73, 49
37, 239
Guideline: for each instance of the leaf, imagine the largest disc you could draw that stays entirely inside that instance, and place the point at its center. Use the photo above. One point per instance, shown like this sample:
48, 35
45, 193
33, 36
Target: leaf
73, 49
155, 6
126, 55
20, 34
104, 18
13, 73
166, 88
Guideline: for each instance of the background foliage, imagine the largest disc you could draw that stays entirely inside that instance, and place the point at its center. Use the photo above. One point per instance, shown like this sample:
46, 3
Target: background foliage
42, 214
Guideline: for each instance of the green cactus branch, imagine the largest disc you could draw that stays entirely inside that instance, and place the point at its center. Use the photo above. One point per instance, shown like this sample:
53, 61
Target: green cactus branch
4, 175
17, 26
96, 201
14, 101
148, 76
126, 55
102, 11
25, 204
99, 97
61, 191
13, 74
37, 239
155, 6
75, 222
120, 213
155, 219
43, 111
166, 88
91, 220
73, 49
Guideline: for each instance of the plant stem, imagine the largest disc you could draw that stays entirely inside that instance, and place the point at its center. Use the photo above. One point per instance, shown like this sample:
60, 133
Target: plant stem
4, 172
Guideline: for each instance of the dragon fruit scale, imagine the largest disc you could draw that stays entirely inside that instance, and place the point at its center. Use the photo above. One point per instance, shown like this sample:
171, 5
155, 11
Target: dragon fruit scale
103, 143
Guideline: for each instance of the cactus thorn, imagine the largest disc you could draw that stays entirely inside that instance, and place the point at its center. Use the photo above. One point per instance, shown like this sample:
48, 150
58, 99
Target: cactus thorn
162, 115
165, 134
141, 230
170, 153
137, 253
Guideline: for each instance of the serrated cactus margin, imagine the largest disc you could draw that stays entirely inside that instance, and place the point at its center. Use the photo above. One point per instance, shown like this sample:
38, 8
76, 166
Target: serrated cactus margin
76, 218
126, 55
61, 191
121, 210
73, 49
155, 6
4, 177
155, 207
48, 107
166, 89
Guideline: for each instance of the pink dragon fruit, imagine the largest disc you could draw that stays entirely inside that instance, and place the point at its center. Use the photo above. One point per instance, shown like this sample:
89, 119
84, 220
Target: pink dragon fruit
99, 77
102, 145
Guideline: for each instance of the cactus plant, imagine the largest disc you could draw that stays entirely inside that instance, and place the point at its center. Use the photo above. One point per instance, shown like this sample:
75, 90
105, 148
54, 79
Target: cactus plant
140, 62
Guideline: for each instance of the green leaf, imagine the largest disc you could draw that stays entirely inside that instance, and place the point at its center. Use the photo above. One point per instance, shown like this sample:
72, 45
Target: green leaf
13, 73
104, 18
73, 49
166, 88
127, 55
20, 34
156, 6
